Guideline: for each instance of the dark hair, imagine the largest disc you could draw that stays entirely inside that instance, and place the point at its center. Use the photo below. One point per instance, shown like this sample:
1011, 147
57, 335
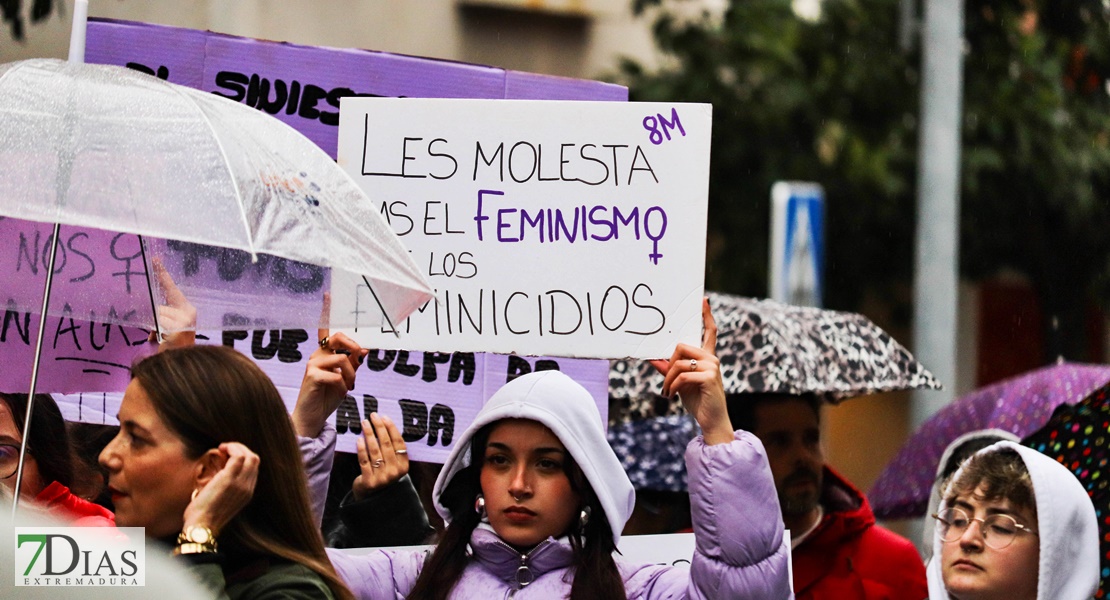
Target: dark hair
742, 407
47, 441
90, 480
595, 571
208, 395
1001, 475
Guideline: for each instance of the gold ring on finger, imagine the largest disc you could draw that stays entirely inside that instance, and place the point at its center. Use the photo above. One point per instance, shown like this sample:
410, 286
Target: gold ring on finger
324, 342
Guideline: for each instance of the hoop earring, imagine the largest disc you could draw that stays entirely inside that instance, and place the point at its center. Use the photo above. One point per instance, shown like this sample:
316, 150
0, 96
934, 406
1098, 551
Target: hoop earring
480, 507
193, 496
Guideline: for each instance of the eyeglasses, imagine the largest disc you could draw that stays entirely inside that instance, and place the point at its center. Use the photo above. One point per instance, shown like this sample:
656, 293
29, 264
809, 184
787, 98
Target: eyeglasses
998, 530
9, 460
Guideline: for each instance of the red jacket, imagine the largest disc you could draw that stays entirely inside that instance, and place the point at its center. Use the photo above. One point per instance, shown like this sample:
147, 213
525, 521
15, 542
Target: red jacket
849, 557
78, 512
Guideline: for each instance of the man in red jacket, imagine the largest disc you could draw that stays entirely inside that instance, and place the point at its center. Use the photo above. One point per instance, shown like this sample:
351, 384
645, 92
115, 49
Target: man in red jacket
838, 550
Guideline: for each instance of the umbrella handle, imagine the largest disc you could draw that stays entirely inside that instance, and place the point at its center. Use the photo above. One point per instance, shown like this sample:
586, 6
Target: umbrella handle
77, 31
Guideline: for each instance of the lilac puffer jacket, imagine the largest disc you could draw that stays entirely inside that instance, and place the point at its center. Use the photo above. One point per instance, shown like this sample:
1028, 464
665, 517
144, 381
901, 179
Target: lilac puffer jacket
740, 549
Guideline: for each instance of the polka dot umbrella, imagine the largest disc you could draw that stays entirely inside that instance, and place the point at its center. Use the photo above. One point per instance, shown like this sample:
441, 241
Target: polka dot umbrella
1078, 437
1020, 405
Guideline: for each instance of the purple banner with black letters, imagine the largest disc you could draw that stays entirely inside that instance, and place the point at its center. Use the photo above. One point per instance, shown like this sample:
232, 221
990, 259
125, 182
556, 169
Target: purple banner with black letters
431, 396
302, 85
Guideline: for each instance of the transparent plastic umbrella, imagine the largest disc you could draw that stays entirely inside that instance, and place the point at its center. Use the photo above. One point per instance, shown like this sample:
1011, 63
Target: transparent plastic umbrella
248, 214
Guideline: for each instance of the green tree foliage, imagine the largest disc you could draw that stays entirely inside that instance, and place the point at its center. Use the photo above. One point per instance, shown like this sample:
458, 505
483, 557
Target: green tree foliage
836, 101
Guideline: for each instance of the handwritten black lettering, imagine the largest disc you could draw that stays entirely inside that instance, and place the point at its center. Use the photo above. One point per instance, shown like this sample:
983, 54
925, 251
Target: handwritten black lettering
525, 163
520, 366
395, 210
379, 360
275, 95
402, 365
231, 335
441, 425
161, 72
232, 265
462, 364
414, 420
71, 243
369, 405
72, 329
431, 359
624, 309
266, 351
347, 417
12, 316
289, 348
116, 247
517, 366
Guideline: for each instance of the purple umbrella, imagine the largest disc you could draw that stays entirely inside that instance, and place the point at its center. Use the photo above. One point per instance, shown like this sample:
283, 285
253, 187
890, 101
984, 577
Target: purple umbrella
1020, 405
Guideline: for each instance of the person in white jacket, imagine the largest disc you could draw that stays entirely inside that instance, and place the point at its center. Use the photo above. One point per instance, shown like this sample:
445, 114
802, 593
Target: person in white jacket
1017, 525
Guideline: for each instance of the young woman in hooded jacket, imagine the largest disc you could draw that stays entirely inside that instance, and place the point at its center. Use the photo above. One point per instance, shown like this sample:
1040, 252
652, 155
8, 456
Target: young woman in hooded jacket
536, 501
1014, 524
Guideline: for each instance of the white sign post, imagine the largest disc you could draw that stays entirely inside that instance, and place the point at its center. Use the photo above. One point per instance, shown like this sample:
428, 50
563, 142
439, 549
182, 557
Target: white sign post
797, 243
553, 228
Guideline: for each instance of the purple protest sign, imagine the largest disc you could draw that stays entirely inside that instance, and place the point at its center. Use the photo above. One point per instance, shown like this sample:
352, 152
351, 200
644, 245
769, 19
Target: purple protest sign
530, 86
99, 279
88, 264
102, 288
302, 85
432, 397
76, 356
180, 56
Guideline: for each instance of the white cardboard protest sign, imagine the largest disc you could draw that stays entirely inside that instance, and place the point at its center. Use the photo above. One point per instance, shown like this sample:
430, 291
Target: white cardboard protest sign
557, 228
432, 397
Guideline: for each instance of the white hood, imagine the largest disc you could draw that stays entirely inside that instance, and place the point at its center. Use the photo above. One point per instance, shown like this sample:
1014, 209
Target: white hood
937, 493
568, 410
1067, 529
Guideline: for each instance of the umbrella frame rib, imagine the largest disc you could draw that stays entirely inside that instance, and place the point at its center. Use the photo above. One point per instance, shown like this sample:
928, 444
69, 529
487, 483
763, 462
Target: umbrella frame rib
35, 369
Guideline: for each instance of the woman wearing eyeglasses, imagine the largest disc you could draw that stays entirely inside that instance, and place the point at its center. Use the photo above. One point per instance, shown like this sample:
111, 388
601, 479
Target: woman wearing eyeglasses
48, 468
1014, 524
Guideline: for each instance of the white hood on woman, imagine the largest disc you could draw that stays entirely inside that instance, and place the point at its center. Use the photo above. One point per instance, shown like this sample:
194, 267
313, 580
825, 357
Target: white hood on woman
988, 436
1066, 525
568, 410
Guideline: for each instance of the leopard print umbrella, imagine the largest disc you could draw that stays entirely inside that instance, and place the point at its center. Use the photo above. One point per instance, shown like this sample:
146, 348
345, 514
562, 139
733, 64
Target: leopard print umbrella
770, 347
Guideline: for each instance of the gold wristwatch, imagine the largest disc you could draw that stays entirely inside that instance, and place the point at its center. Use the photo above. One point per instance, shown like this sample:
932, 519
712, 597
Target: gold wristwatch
196, 539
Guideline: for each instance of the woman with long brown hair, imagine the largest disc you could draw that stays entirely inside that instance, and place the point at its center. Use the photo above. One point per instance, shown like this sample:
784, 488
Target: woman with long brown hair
206, 460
